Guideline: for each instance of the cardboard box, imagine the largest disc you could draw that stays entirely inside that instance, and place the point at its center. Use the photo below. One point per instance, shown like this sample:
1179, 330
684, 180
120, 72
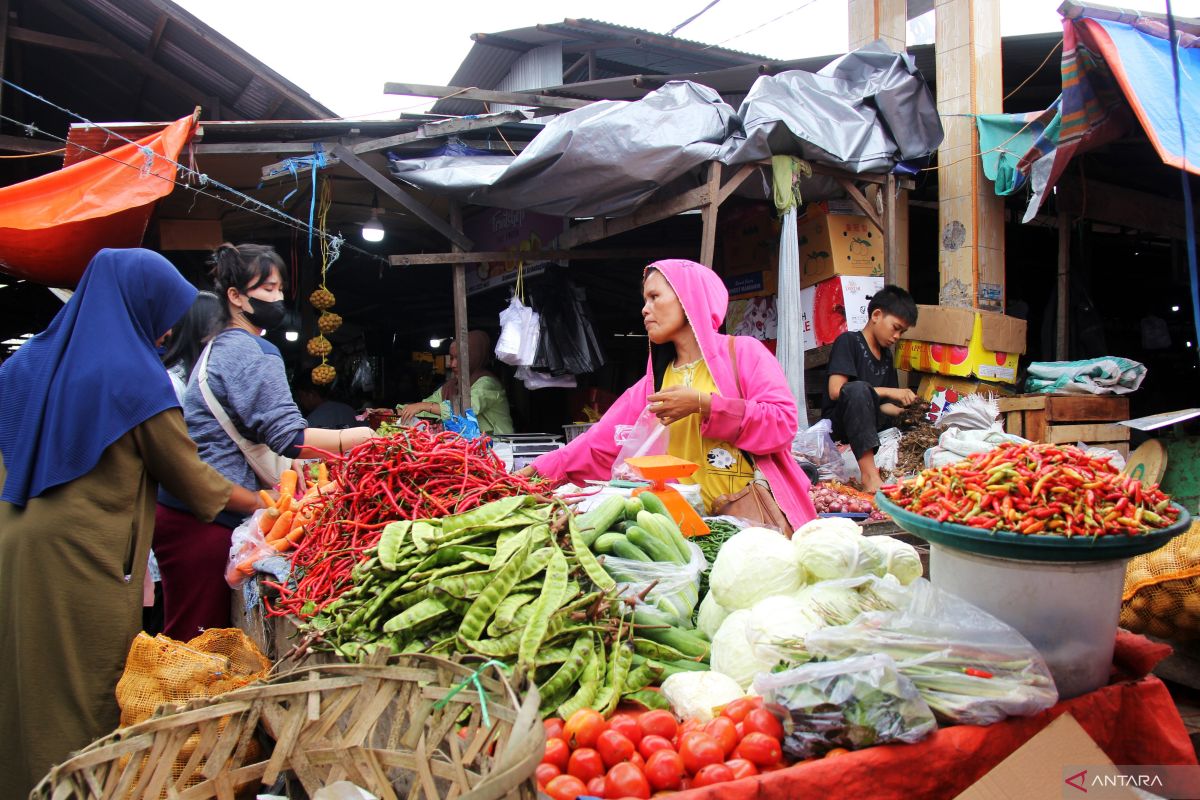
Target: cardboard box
838, 244
835, 306
955, 388
749, 239
1061, 759
963, 342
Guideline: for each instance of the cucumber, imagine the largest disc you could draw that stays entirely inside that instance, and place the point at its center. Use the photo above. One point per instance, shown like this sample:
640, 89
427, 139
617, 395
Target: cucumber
604, 542
670, 668
690, 643
653, 504
664, 528
623, 526
623, 548
600, 518
632, 506
652, 545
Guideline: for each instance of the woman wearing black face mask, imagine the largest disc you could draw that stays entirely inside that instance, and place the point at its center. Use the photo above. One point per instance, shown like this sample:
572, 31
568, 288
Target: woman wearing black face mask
248, 405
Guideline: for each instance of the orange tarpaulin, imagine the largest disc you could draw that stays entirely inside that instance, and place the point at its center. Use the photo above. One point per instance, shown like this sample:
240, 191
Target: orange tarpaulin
1133, 722
51, 226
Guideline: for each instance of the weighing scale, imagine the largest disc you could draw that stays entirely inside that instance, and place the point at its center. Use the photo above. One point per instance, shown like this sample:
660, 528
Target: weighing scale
660, 469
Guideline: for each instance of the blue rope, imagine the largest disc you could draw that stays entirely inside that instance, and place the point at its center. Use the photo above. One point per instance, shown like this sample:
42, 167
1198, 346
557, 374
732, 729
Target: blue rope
473, 680
1189, 216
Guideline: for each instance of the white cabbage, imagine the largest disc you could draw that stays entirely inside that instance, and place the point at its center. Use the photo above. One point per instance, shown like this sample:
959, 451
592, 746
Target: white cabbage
694, 695
844, 524
831, 553
711, 615
754, 563
780, 619
732, 654
900, 558
833, 602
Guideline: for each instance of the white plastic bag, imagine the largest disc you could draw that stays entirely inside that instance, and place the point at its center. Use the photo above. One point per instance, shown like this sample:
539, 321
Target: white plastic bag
543, 380
889, 449
1093, 451
512, 327
674, 588
971, 668
646, 437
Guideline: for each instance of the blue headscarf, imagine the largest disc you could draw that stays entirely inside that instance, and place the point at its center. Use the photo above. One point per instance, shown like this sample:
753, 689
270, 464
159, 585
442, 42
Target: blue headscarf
92, 375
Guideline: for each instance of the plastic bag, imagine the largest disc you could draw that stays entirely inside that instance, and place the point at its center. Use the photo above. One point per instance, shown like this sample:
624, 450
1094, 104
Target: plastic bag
694, 695
889, 449
1114, 457
971, 668
646, 437
247, 546
816, 446
520, 329
543, 380
364, 376
855, 703
674, 588
955, 444
466, 426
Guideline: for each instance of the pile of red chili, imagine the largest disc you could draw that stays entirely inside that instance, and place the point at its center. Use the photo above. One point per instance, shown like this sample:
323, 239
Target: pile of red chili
412, 474
1036, 488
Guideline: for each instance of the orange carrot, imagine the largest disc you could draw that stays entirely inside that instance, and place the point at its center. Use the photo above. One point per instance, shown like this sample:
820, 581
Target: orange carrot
285, 503
296, 535
322, 473
280, 544
281, 526
268, 501
267, 520
287, 482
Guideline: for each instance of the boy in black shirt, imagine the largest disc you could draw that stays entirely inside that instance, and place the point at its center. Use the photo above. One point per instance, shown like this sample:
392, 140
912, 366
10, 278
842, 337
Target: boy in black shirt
863, 386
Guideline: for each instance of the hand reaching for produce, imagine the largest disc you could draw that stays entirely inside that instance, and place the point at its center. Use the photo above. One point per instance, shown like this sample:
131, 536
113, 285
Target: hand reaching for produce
409, 412
676, 402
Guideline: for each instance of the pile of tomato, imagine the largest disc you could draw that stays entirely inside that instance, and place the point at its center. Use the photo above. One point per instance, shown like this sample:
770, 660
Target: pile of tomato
635, 755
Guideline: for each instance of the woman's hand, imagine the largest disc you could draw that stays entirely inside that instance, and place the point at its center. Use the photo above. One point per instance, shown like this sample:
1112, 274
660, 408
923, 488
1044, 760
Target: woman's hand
410, 411
676, 402
526, 472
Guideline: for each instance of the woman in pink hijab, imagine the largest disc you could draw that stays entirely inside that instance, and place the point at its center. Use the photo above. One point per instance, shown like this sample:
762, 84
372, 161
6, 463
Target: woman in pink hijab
719, 409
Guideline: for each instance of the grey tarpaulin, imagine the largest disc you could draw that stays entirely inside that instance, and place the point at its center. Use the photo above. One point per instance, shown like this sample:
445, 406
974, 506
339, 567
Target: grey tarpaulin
863, 112
606, 158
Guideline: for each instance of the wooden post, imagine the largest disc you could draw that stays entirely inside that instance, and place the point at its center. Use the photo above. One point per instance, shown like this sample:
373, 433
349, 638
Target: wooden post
878, 19
970, 214
891, 250
1062, 313
708, 239
460, 318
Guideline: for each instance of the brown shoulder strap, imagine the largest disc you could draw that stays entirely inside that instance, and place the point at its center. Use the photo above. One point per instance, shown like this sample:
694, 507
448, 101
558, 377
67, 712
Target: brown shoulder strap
737, 379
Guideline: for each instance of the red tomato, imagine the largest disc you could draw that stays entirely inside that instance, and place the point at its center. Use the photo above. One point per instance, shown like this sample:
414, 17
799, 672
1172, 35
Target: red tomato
566, 787
637, 760
738, 709
584, 728
614, 748
689, 726
763, 721
761, 749
651, 744
724, 730
627, 780
554, 728
658, 723
556, 753
627, 725
665, 770
698, 750
585, 764
546, 773
713, 773
741, 767
597, 787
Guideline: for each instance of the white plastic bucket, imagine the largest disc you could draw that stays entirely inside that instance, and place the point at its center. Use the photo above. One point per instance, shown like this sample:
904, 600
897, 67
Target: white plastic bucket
1068, 611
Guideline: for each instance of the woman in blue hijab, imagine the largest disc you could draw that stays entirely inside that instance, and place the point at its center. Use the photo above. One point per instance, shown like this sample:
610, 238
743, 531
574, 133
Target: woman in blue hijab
89, 428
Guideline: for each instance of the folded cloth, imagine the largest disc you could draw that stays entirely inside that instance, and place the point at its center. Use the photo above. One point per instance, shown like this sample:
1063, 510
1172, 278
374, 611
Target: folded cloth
1108, 375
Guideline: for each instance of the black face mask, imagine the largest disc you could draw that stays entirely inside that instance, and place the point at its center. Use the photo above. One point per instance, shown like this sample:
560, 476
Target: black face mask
266, 315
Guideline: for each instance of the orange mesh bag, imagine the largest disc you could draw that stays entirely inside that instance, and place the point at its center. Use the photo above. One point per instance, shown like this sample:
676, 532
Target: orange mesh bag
1162, 590
165, 672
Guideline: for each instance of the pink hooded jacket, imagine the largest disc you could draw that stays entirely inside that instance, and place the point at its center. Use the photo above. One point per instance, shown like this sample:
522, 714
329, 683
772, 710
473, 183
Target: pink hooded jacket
762, 421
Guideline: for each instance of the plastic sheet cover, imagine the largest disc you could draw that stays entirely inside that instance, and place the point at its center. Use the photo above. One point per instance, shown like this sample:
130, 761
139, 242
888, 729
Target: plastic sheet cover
863, 112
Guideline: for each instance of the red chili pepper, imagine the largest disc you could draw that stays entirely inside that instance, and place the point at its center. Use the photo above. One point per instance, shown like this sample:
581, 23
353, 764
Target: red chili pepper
977, 673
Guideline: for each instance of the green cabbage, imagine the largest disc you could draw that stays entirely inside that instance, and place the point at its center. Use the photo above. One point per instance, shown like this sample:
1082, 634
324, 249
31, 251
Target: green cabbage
900, 558
831, 553
732, 654
711, 615
755, 563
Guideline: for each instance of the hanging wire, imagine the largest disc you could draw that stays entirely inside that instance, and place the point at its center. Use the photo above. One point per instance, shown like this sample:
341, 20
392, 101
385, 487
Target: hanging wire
39, 155
691, 19
800, 7
247, 203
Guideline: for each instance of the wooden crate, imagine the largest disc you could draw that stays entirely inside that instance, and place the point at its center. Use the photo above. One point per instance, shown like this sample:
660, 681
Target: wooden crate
1067, 419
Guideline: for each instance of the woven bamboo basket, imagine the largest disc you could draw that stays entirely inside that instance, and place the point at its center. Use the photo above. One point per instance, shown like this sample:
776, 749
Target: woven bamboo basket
412, 726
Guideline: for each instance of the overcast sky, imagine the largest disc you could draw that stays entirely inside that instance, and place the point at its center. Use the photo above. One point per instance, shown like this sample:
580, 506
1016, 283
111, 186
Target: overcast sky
342, 53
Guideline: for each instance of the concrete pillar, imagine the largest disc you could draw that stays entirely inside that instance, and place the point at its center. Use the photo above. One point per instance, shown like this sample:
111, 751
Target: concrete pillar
970, 215
886, 20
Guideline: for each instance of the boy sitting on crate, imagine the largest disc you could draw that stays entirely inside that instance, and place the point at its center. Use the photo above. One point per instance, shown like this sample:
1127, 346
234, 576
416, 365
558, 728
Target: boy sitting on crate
863, 389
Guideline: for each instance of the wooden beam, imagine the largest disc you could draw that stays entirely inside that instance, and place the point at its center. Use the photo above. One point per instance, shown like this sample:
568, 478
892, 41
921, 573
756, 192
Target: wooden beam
1063, 308
429, 130
708, 234
1128, 208
40, 39
160, 27
861, 200
460, 316
161, 74
25, 144
603, 227
389, 187
737, 180
246, 148
485, 95
617, 254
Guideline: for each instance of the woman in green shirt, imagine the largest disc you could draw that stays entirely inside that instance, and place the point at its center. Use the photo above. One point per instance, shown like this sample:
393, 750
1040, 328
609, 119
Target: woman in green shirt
488, 400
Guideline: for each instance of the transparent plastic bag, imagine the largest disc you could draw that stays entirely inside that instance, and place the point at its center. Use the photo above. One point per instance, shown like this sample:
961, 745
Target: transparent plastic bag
247, 546
646, 437
971, 668
889, 449
816, 446
856, 703
674, 588
508, 343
